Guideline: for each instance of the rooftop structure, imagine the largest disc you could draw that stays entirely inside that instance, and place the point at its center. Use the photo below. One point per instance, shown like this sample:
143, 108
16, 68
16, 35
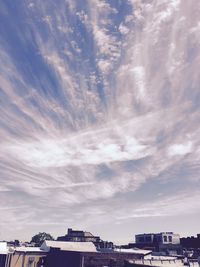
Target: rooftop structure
88, 259
84, 236
166, 242
161, 238
78, 236
191, 242
68, 246
164, 262
21, 256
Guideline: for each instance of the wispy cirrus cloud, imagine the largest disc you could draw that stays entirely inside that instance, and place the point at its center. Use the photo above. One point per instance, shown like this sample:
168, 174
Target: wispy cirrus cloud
98, 103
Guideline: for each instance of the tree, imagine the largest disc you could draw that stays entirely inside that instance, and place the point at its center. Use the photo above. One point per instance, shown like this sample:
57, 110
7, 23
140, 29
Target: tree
38, 239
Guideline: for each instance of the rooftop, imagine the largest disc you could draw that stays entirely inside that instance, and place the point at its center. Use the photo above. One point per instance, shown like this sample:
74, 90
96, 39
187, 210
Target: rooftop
69, 246
134, 251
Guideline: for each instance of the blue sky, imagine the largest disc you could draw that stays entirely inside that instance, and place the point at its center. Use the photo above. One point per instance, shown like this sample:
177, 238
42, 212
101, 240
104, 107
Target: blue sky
99, 125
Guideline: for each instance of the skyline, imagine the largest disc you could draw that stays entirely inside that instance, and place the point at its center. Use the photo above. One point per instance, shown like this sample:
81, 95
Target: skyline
65, 237
99, 122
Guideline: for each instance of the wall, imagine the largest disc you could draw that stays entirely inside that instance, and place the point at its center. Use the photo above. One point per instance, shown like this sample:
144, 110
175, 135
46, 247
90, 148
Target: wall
61, 258
2, 260
58, 258
22, 259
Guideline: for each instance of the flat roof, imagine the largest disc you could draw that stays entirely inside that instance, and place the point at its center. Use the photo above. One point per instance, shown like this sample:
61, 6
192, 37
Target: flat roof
69, 246
28, 249
134, 251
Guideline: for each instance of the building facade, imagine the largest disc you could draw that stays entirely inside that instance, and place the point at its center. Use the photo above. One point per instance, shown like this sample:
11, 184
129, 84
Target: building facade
160, 238
84, 236
26, 259
167, 243
21, 257
62, 258
78, 236
191, 242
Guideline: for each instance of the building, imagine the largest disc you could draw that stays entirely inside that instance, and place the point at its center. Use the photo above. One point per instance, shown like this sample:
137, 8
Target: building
78, 236
3, 253
85, 254
161, 238
190, 242
88, 259
29, 257
166, 243
62, 258
160, 262
21, 256
84, 236
68, 246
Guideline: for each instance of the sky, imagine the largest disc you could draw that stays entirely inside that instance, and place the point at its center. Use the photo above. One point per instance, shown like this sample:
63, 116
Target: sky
99, 117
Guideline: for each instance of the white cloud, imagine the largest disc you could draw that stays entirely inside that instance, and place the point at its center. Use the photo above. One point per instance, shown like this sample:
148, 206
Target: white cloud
166, 206
82, 125
123, 29
95, 147
139, 76
180, 149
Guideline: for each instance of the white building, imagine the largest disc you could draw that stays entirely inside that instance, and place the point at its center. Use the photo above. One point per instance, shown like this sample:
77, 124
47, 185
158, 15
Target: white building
161, 238
3, 248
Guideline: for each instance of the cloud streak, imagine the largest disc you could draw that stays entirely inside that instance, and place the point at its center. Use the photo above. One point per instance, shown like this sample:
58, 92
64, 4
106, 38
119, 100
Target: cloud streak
99, 109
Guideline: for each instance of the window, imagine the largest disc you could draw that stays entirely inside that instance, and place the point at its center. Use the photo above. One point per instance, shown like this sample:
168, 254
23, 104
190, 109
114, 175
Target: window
159, 238
141, 239
148, 239
170, 238
165, 238
30, 261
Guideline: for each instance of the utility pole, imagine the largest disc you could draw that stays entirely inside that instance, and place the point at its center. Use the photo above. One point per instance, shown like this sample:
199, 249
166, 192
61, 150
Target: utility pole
82, 261
23, 259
